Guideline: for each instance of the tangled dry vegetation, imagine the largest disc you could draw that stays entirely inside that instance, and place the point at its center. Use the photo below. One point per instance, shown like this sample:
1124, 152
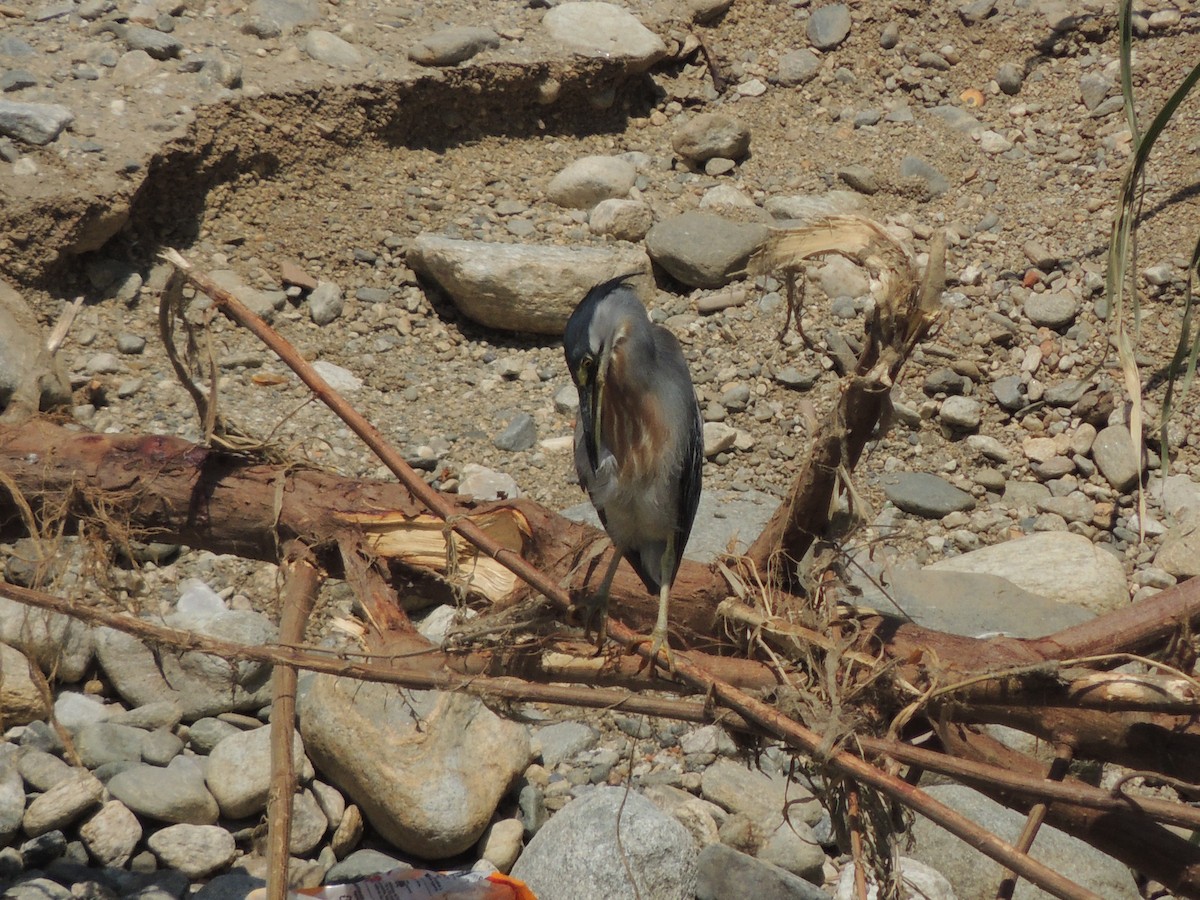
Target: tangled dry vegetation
763, 644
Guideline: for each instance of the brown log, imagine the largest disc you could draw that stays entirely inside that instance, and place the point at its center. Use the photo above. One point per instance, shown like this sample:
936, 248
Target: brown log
168, 489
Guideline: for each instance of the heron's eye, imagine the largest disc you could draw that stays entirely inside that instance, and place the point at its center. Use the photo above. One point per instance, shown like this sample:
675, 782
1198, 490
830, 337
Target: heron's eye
586, 365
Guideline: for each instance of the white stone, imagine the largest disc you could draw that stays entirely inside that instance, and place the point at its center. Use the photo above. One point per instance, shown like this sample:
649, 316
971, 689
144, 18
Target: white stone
604, 30
1057, 565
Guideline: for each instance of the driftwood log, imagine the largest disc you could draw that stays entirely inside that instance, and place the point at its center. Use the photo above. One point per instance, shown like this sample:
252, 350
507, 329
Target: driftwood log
1058, 688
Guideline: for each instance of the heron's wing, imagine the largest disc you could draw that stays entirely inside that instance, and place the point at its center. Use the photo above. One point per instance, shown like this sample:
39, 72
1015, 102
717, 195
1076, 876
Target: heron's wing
689, 484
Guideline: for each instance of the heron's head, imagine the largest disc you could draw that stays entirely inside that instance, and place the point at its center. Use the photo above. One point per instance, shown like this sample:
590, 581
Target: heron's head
603, 334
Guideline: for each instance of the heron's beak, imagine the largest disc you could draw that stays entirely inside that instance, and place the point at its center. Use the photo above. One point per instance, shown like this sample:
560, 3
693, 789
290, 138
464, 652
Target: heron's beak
591, 396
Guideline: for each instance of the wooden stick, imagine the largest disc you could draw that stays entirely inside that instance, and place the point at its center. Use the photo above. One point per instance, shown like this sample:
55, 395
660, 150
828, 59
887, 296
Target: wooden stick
1034, 819
303, 582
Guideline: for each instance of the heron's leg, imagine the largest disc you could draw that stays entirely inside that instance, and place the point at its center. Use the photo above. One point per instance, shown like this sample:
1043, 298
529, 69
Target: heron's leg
596, 607
658, 637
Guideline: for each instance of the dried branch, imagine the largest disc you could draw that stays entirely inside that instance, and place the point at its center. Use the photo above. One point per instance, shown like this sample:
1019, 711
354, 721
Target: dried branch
906, 308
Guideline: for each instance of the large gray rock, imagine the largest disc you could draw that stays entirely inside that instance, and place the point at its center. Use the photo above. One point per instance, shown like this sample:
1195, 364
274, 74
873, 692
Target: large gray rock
523, 287
582, 852
606, 31
427, 768
22, 356
974, 875
703, 250
1055, 564
967, 603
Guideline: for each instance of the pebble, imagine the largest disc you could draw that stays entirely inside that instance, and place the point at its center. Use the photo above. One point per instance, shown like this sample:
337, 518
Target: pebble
921, 882
828, 25
1093, 88
63, 804
961, 413
1113, 452
587, 181
33, 123
450, 46
502, 843
860, 178
332, 50
933, 180
150, 41
103, 742
130, 344
325, 302
710, 135
1179, 553
621, 219
718, 438
519, 434
703, 250
809, 207
174, 794
112, 834
486, 484
925, 495
797, 67
1052, 310
1010, 77
1010, 392
194, 850
239, 771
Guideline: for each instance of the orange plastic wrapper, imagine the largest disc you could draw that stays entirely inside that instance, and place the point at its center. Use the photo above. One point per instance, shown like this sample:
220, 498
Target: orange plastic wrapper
417, 884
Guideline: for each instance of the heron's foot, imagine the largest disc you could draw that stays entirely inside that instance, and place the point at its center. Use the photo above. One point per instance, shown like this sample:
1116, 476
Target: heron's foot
593, 613
657, 640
